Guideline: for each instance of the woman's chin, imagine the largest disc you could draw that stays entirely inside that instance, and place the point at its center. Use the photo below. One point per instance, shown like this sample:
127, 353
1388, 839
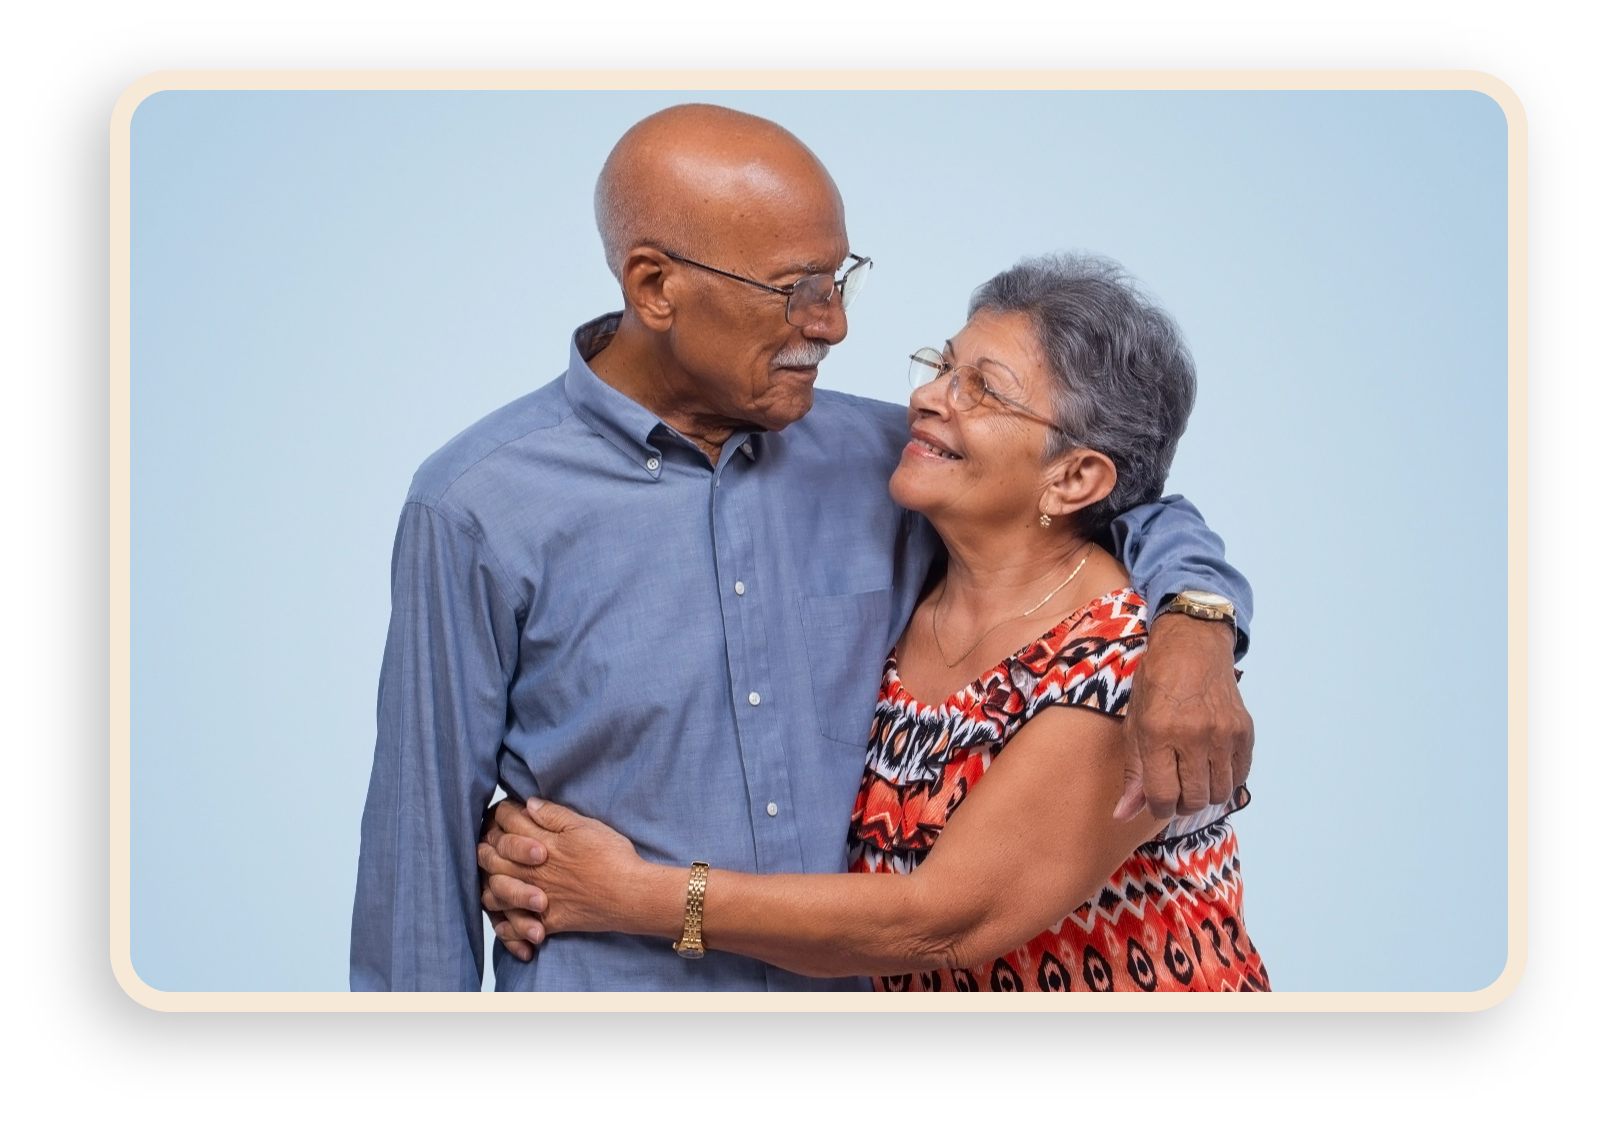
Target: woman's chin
909, 487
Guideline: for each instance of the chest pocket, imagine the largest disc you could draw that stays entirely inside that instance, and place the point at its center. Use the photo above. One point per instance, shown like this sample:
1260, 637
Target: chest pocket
846, 639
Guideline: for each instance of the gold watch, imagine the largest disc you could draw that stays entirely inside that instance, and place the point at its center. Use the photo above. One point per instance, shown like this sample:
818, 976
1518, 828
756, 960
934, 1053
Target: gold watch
1203, 605
692, 944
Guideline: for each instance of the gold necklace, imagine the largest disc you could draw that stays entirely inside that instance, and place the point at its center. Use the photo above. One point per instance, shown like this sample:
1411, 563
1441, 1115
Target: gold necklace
945, 655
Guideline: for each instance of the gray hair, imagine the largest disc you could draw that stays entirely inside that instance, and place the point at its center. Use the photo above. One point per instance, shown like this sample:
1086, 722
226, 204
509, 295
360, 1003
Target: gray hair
624, 223
1122, 378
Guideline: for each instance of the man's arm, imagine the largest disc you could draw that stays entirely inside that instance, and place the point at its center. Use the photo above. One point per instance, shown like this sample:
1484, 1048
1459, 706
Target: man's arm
1190, 740
441, 711
1167, 548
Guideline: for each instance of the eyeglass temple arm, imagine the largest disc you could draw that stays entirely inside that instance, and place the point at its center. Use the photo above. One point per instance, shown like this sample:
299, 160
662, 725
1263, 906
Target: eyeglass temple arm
788, 291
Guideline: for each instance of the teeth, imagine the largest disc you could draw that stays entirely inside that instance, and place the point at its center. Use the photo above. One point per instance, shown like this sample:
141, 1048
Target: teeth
936, 451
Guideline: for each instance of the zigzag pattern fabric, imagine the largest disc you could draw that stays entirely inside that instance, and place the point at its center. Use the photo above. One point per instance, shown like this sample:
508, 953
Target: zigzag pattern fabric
1170, 918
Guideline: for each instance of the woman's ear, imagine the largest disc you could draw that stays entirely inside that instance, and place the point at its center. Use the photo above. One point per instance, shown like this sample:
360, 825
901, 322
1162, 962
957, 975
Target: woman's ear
1076, 480
644, 286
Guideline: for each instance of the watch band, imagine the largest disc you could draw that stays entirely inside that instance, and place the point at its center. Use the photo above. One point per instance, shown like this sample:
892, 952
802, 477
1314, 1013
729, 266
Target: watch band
1201, 605
692, 944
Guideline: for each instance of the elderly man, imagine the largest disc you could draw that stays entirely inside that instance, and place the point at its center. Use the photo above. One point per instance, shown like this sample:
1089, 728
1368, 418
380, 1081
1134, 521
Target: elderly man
660, 589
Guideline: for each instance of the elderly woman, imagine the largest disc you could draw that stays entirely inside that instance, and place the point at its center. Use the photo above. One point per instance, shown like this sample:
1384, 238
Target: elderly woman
996, 760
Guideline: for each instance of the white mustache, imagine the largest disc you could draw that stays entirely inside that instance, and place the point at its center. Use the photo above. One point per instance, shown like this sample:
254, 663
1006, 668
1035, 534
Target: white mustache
805, 354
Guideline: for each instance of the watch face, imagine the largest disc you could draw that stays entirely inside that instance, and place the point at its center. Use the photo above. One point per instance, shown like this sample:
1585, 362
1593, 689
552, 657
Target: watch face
691, 952
1208, 600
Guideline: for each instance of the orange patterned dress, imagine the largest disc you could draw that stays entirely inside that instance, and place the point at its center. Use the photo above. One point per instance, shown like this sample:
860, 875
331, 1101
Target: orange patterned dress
1170, 918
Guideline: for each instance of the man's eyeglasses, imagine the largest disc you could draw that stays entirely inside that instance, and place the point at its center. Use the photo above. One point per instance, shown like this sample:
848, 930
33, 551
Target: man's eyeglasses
967, 386
809, 297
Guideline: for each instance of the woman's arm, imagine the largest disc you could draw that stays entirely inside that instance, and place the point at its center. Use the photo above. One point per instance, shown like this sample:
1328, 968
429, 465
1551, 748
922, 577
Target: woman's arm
1034, 839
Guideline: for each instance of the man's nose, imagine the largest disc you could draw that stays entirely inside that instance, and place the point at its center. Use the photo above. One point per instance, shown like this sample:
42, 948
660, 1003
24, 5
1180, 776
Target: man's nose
830, 326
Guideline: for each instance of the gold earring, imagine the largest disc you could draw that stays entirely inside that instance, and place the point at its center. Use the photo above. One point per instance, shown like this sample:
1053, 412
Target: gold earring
1044, 520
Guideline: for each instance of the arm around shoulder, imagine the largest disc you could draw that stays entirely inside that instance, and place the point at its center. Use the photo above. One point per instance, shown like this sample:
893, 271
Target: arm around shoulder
1168, 549
1190, 739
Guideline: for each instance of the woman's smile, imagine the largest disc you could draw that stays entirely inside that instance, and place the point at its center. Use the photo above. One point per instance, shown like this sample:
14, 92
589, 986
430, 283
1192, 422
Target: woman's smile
924, 444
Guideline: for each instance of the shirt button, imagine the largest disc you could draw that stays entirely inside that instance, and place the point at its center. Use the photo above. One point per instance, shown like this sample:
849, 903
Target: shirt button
771, 810
738, 587
754, 699
652, 464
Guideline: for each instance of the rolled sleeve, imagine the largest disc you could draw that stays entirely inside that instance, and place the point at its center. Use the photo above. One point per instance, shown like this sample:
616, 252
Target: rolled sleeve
441, 718
1167, 548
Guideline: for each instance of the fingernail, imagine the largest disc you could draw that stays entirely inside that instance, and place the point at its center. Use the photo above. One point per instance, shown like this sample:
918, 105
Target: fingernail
534, 804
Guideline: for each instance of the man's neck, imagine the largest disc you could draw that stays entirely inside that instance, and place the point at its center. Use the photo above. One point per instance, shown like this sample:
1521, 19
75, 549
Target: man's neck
631, 364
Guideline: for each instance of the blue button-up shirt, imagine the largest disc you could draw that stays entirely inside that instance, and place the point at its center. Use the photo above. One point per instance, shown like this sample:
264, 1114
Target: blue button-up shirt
586, 609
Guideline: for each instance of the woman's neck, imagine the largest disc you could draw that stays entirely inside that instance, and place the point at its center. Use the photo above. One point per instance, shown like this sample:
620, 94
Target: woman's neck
992, 576
1001, 591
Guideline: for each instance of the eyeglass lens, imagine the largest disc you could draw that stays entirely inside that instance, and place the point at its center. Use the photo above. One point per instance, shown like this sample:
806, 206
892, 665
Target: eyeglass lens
967, 387
925, 365
812, 296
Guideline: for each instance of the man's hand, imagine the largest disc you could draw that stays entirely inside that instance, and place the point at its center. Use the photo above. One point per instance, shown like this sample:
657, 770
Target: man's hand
1189, 739
509, 922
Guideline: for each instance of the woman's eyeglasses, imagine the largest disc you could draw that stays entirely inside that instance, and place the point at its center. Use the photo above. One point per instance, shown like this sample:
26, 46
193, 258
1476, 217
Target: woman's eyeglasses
967, 386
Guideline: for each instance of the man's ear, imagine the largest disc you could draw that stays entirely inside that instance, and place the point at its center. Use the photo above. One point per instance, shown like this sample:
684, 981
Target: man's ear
645, 284
1076, 480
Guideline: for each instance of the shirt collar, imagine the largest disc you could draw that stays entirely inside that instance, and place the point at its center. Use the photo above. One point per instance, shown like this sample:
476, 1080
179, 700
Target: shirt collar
617, 417
608, 411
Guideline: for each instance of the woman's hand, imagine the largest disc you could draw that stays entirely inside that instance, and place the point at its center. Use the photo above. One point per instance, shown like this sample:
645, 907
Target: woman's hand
549, 869
515, 927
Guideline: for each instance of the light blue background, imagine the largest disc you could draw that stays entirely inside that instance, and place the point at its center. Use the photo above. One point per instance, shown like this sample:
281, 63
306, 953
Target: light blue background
327, 286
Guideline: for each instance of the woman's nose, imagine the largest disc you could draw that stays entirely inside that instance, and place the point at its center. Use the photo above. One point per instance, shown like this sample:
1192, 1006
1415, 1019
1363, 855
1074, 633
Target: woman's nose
932, 397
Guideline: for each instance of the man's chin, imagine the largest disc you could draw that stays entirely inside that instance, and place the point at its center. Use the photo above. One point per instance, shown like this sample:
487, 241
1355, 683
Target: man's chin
792, 405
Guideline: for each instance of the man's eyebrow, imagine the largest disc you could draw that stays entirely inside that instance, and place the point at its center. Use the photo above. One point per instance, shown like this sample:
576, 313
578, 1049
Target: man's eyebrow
811, 267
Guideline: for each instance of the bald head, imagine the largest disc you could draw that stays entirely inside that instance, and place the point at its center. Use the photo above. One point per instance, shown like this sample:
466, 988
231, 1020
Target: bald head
691, 178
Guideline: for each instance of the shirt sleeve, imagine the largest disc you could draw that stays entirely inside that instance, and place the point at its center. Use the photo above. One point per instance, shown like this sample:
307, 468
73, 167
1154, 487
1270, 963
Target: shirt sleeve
441, 717
1167, 548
